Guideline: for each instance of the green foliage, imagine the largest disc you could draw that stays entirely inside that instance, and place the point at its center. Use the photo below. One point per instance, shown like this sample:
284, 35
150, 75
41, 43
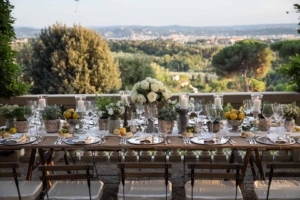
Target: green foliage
7, 111
286, 48
257, 86
11, 80
101, 103
297, 7
167, 113
248, 58
292, 71
71, 60
227, 108
20, 111
51, 112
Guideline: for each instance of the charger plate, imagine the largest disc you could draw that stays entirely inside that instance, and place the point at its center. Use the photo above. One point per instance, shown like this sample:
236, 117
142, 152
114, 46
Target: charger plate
208, 141
136, 140
266, 140
28, 141
94, 140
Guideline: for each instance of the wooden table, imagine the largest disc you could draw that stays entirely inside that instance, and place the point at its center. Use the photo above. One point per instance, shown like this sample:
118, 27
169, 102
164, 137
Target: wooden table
112, 143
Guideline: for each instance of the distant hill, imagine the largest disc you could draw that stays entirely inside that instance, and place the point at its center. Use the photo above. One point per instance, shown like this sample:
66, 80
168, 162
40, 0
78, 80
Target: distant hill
119, 32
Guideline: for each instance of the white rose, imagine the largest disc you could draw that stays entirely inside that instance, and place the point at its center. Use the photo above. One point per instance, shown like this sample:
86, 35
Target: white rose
134, 96
141, 98
148, 79
152, 97
167, 94
145, 85
154, 87
161, 86
118, 103
136, 86
110, 111
153, 81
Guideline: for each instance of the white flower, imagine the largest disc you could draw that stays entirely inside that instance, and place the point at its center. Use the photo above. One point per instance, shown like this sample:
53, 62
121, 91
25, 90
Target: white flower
167, 94
161, 86
154, 87
153, 81
145, 85
110, 111
169, 101
136, 86
134, 96
152, 97
148, 79
141, 98
118, 103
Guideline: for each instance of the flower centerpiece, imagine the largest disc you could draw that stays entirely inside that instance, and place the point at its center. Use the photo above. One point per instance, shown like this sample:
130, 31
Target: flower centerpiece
114, 110
166, 117
148, 91
100, 110
290, 111
6, 111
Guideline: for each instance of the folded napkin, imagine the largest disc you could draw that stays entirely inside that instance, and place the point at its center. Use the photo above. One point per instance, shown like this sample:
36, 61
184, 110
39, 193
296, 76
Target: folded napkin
146, 140
274, 138
86, 140
15, 139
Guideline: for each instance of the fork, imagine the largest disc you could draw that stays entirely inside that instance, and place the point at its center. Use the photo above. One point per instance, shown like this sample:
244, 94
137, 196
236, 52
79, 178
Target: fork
184, 140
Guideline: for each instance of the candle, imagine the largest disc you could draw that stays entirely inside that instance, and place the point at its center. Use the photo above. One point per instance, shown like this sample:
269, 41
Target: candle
80, 107
124, 98
256, 105
184, 103
42, 103
218, 101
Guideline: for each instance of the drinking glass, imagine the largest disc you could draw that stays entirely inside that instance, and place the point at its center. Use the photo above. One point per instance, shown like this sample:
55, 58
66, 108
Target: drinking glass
278, 115
198, 107
40, 133
29, 114
268, 112
247, 109
198, 126
139, 110
211, 113
152, 115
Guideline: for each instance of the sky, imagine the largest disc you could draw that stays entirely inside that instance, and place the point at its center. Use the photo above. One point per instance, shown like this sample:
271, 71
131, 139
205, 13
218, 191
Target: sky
43, 13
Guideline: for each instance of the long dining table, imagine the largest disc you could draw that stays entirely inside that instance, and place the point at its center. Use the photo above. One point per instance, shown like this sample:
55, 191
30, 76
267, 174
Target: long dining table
46, 147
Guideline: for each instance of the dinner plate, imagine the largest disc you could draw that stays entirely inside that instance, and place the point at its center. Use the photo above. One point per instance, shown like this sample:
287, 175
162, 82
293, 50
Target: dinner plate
28, 141
266, 140
136, 140
94, 140
208, 141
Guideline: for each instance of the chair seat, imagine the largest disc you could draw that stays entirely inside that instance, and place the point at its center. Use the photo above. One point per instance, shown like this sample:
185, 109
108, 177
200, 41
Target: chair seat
75, 190
28, 189
279, 190
212, 189
145, 189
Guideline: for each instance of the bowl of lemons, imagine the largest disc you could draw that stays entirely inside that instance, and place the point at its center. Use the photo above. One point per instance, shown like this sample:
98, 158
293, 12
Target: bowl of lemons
235, 118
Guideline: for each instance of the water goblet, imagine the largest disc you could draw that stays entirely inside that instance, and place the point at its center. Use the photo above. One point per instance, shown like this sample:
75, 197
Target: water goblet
198, 107
278, 115
211, 112
247, 108
268, 112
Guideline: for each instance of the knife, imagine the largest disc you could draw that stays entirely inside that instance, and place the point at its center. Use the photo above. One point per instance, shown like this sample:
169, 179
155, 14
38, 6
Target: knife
270, 140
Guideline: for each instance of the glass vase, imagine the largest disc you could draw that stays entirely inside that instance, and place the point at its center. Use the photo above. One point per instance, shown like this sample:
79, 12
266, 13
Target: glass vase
9, 123
289, 124
113, 124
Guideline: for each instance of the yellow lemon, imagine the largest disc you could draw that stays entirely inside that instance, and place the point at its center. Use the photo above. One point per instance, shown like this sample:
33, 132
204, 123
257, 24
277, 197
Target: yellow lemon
233, 111
117, 131
297, 129
233, 116
75, 115
241, 116
67, 114
123, 131
227, 115
13, 130
71, 110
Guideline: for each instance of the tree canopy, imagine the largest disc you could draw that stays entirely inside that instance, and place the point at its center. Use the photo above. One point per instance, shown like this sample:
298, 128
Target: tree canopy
71, 60
286, 48
11, 80
292, 71
248, 59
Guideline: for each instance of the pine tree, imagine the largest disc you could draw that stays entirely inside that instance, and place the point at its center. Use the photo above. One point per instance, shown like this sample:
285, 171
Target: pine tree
72, 60
10, 73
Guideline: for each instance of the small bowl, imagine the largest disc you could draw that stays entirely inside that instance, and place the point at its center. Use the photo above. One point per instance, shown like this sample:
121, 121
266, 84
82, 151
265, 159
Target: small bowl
235, 125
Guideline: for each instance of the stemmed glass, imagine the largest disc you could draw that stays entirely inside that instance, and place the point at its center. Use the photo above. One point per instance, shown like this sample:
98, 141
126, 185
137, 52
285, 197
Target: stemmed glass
198, 107
28, 114
152, 115
211, 112
268, 112
88, 110
247, 108
278, 115
139, 110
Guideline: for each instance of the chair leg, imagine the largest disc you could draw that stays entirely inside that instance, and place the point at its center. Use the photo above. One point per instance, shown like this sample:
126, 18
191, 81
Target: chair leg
94, 163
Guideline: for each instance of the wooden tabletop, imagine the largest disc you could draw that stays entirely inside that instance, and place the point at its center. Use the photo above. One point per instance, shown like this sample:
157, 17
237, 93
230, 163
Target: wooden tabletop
112, 143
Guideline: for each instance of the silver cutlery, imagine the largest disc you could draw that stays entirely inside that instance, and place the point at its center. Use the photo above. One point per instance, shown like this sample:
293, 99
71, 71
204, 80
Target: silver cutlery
169, 141
254, 141
184, 140
229, 138
56, 142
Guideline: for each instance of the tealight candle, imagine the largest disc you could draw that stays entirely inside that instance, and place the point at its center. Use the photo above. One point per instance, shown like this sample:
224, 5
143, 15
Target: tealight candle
256, 105
218, 101
184, 103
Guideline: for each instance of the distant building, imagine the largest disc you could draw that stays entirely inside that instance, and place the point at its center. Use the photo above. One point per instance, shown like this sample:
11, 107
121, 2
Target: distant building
175, 77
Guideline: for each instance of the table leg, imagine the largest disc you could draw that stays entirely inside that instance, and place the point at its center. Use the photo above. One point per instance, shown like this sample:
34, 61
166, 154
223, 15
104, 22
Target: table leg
259, 165
244, 168
31, 164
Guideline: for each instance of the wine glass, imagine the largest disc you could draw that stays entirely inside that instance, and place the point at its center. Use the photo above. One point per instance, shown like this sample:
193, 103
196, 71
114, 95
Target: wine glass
198, 107
247, 108
152, 115
29, 114
278, 115
268, 112
211, 113
139, 110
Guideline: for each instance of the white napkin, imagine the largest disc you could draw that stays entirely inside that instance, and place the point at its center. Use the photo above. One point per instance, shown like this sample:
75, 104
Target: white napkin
274, 137
19, 137
84, 140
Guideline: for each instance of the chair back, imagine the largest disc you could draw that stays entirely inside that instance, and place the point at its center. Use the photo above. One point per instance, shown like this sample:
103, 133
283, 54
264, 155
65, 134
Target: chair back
210, 174
138, 173
13, 174
88, 169
281, 173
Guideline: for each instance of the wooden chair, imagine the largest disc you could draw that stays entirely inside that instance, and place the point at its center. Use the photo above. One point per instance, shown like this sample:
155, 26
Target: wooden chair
280, 189
15, 190
145, 189
213, 189
67, 187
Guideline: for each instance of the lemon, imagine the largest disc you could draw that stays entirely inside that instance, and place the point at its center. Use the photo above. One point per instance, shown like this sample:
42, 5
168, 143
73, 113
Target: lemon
75, 115
233, 116
123, 131
227, 115
117, 131
241, 116
71, 110
297, 129
13, 130
67, 114
233, 111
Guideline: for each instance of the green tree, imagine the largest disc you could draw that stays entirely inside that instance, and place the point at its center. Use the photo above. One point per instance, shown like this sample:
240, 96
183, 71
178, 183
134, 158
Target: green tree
248, 58
297, 7
292, 71
72, 60
286, 48
11, 80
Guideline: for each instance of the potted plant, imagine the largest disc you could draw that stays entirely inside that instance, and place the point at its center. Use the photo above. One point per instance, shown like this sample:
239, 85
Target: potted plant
101, 111
51, 116
114, 110
6, 111
290, 111
166, 117
21, 121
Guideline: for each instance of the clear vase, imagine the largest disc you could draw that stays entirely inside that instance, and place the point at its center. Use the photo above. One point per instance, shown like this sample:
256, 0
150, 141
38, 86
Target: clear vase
289, 124
72, 125
9, 123
113, 124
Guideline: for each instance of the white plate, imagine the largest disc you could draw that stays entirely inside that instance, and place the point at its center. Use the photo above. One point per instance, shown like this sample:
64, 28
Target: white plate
265, 140
29, 140
136, 140
197, 140
94, 140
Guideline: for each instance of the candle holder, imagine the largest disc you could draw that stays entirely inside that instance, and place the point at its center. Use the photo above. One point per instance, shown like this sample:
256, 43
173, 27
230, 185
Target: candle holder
184, 120
42, 101
80, 103
256, 109
218, 100
125, 100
